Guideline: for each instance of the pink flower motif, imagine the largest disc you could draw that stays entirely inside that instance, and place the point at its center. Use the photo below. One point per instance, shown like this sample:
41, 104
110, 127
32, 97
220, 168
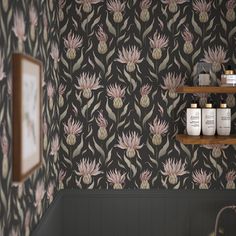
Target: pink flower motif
101, 121
216, 56
201, 178
55, 146
116, 178
2, 74
173, 169
50, 90
230, 178
62, 89
216, 149
50, 192
158, 41
115, 6
144, 178
130, 56
62, 3
19, 29
87, 83
101, 35
130, 142
230, 4
171, 82
145, 90
201, 6
55, 54
172, 4
88, 169
187, 35
72, 43
116, 92
39, 194
4, 143
33, 17
145, 4
202, 98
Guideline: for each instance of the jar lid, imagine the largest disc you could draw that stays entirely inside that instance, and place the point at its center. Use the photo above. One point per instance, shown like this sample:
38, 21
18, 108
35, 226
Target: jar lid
229, 72
223, 105
208, 105
193, 105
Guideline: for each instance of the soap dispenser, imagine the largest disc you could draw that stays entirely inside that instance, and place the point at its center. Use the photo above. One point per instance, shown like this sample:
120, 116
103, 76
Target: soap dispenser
193, 120
208, 119
223, 119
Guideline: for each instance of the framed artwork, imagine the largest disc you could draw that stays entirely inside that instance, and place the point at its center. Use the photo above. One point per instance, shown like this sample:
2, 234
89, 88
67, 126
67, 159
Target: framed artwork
27, 112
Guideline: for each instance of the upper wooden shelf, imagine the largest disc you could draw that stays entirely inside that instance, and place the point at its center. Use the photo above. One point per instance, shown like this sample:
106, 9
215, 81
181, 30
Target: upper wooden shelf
205, 89
204, 140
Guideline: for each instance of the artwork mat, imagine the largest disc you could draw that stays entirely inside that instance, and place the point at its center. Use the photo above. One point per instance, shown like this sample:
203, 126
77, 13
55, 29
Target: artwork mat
25, 70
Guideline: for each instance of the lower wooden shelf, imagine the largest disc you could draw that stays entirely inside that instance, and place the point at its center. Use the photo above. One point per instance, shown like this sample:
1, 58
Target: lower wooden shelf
204, 140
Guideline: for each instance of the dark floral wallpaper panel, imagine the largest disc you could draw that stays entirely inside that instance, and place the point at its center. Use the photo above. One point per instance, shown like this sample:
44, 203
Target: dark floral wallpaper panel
29, 27
121, 62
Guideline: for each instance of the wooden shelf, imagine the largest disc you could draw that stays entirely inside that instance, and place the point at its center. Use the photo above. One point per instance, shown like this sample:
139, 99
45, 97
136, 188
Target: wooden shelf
205, 89
204, 140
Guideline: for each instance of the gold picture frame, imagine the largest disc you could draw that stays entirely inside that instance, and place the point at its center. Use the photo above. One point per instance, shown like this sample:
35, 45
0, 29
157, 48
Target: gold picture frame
27, 115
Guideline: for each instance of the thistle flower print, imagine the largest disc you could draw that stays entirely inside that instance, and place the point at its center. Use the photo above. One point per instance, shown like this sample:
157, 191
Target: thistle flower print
55, 146
102, 124
33, 18
72, 129
72, 43
130, 142
230, 178
62, 175
201, 178
55, 54
27, 223
62, 4
102, 38
157, 43
116, 7
158, 129
39, 195
215, 56
188, 39
144, 5
19, 29
61, 92
87, 83
88, 169
217, 149
50, 192
87, 4
202, 7
50, 93
173, 169
130, 57
173, 4
116, 92
202, 98
2, 73
230, 14
5, 148
144, 178
171, 82
144, 91
45, 27
116, 179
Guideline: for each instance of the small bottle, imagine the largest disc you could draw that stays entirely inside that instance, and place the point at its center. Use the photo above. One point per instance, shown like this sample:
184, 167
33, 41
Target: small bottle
208, 120
228, 78
223, 119
193, 120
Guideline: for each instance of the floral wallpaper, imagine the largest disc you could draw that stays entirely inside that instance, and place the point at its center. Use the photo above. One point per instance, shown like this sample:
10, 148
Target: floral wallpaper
29, 27
121, 62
